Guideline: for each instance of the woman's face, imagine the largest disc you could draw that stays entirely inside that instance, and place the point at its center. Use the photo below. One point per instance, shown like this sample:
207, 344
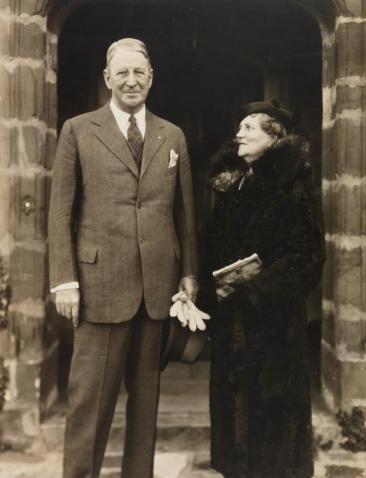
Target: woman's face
252, 140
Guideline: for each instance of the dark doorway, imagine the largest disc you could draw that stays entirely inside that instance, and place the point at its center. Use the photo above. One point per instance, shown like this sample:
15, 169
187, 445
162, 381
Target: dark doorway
208, 58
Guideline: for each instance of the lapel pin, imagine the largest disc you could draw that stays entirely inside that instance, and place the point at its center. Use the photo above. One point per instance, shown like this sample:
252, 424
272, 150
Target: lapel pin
159, 137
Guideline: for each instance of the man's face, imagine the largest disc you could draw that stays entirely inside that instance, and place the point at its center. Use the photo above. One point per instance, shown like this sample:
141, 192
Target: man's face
129, 77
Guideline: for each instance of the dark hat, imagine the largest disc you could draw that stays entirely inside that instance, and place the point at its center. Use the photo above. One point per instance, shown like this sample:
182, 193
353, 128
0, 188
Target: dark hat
271, 108
180, 344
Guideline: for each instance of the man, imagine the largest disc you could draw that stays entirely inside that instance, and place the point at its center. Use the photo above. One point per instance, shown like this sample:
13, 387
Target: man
122, 242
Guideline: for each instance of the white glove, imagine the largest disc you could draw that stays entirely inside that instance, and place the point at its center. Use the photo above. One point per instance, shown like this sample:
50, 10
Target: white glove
187, 313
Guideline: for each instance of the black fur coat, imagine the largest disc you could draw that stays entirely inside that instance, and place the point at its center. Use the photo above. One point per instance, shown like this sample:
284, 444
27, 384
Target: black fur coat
260, 401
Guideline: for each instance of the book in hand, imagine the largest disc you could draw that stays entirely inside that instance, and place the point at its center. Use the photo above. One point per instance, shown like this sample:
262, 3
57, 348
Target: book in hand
236, 266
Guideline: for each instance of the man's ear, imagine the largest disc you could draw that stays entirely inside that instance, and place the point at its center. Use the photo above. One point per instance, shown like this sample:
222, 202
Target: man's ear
107, 78
151, 76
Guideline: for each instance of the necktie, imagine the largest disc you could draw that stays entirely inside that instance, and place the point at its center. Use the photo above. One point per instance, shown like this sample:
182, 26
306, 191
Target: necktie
135, 140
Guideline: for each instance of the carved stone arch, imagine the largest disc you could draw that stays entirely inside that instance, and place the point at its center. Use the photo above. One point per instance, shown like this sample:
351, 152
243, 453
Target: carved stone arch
324, 11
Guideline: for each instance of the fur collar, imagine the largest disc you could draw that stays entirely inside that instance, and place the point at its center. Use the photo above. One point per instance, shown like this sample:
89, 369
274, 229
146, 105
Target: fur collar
279, 165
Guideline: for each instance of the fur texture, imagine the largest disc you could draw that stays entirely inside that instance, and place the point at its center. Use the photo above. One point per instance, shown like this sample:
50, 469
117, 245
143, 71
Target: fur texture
260, 400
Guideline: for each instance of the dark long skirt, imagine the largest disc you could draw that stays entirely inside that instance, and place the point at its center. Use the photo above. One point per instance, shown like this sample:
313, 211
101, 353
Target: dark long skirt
259, 394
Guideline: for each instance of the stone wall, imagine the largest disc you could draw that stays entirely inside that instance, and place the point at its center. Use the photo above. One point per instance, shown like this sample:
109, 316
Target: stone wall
28, 112
344, 202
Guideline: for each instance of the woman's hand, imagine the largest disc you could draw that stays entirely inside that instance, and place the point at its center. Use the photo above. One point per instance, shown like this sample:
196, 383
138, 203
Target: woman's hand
223, 291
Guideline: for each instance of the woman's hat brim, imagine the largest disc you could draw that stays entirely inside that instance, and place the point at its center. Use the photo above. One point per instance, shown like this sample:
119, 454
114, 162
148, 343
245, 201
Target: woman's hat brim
287, 118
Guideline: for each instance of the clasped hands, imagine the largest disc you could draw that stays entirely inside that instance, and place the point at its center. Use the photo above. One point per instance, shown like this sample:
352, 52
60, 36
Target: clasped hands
225, 285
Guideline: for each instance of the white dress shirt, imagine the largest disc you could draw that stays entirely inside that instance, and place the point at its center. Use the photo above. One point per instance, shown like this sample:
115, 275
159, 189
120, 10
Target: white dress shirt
122, 120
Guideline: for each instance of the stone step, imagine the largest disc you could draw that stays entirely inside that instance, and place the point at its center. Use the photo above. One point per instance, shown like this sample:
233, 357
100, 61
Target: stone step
169, 465
182, 449
183, 417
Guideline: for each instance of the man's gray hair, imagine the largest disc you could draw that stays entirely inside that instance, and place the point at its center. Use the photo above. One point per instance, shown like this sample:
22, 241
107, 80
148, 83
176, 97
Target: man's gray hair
130, 44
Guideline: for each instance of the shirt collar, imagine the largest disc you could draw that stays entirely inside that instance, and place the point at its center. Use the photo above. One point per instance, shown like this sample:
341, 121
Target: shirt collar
124, 117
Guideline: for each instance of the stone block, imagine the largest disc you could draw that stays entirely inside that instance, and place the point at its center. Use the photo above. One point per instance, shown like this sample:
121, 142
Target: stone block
350, 49
351, 97
51, 105
31, 41
52, 51
348, 276
363, 209
5, 207
15, 422
353, 380
51, 144
351, 334
33, 7
31, 102
354, 210
47, 196
49, 378
344, 471
328, 283
6, 344
363, 275
331, 377
356, 8
349, 144
27, 327
28, 381
327, 206
27, 274
328, 66
6, 89
354, 145
34, 144
340, 150
8, 145
339, 211
328, 153
29, 208
347, 209
328, 328
4, 36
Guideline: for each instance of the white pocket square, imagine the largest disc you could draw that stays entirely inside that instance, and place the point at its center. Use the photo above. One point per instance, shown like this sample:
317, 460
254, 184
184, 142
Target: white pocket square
173, 158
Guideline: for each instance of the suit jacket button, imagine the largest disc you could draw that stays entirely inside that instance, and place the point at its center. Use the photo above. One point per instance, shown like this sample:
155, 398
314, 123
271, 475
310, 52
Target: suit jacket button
141, 241
139, 205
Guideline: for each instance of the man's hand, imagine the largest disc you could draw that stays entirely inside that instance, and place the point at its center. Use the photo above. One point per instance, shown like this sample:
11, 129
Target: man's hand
68, 304
189, 285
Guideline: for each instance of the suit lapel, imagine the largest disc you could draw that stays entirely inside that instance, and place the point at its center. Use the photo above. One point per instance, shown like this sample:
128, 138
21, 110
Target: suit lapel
111, 136
154, 138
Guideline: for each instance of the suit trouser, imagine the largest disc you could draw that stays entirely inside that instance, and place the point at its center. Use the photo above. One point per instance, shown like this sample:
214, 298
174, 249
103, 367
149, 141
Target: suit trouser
103, 355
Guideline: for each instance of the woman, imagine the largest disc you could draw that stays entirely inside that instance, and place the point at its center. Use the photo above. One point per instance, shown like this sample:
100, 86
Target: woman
260, 401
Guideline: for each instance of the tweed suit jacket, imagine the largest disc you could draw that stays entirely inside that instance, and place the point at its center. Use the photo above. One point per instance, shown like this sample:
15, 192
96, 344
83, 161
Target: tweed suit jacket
121, 234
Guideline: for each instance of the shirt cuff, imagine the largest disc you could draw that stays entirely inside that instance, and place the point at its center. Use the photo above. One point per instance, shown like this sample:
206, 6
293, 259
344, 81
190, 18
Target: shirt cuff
65, 286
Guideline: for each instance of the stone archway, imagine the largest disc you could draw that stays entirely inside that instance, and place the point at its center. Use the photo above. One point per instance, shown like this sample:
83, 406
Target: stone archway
343, 28
28, 121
